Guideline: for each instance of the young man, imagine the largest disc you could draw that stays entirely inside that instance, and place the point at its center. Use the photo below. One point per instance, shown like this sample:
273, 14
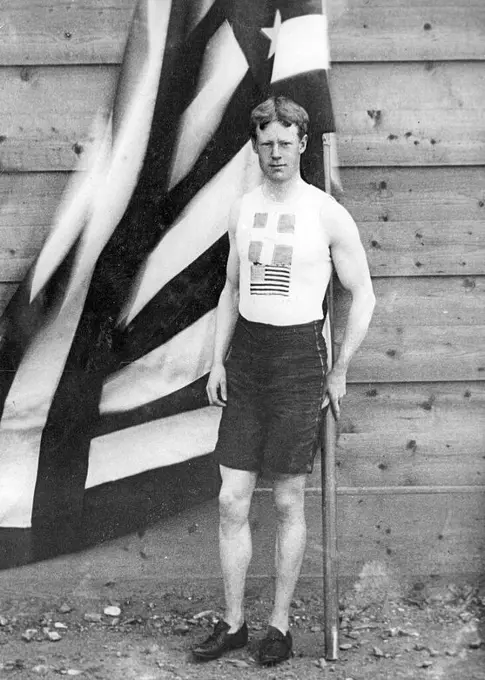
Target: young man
284, 236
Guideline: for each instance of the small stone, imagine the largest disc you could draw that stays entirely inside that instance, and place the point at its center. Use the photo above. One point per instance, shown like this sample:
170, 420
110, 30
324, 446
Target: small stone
475, 644
53, 636
345, 646
316, 629
433, 652
451, 652
466, 616
321, 663
115, 622
29, 634
92, 617
60, 626
377, 651
3, 621
393, 632
420, 648
238, 663
73, 672
425, 664
408, 633
202, 615
153, 649
41, 669
112, 611
181, 629
65, 608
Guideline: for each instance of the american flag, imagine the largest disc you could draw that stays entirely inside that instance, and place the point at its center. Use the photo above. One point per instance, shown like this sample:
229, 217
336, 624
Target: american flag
107, 344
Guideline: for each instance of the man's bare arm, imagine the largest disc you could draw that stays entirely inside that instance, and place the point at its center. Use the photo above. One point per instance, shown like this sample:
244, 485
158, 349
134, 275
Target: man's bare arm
350, 262
226, 317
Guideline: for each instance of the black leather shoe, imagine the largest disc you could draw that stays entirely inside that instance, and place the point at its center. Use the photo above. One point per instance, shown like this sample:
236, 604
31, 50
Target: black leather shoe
220, 641
275, 647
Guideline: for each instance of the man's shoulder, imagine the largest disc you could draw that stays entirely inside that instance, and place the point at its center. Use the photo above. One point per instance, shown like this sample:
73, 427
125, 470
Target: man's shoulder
327, 204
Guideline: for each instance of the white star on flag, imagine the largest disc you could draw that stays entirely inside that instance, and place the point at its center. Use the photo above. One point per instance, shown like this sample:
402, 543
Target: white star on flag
272, 33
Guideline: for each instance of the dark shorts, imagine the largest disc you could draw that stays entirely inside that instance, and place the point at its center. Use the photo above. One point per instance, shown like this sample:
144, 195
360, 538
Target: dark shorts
275, 377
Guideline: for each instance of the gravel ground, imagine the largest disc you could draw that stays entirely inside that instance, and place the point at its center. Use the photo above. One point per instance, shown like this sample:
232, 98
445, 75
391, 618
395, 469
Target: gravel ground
143, 630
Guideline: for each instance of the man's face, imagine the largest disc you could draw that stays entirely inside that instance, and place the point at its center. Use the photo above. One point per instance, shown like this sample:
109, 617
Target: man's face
279, 149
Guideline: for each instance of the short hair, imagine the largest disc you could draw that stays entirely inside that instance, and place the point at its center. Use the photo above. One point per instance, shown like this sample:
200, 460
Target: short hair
281, 109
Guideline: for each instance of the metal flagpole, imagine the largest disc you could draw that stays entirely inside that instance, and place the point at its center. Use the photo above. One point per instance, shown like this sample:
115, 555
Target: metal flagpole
329, 494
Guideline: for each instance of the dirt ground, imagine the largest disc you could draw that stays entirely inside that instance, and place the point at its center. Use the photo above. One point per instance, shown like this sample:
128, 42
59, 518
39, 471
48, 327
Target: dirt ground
389, 630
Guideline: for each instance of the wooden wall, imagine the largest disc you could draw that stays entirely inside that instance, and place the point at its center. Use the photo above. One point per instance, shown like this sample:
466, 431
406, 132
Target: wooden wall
408, 84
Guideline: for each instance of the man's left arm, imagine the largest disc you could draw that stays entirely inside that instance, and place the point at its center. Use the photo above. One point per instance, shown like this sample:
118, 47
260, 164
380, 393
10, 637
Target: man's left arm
350, 263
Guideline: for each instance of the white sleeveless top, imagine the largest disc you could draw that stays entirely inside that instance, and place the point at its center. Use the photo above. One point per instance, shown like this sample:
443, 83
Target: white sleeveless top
284, 256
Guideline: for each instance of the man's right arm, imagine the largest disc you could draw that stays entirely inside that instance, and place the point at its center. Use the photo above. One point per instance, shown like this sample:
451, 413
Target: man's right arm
226, 317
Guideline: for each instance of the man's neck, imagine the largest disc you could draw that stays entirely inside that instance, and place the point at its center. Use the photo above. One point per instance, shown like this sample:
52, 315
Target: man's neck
283, 191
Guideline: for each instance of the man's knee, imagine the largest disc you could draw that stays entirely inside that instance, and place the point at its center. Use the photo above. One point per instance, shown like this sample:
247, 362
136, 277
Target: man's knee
234, 505
289, 499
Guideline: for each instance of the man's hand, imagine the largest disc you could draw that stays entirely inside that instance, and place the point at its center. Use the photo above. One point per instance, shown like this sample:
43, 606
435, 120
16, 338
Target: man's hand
335, 386
216, 386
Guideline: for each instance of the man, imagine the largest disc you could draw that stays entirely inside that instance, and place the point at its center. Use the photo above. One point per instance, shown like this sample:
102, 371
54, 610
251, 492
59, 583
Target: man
284, 236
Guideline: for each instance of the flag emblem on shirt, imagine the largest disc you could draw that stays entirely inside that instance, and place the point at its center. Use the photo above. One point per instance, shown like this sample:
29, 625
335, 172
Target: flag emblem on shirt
269, 280
107, 345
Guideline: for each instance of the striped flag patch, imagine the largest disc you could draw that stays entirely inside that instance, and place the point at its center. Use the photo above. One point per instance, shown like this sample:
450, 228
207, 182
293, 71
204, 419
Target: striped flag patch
270, 280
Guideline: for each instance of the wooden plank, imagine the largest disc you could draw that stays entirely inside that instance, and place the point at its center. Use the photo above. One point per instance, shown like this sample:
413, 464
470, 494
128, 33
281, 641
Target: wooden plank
409, 113
424, 248
435, 534
28, 202
410, 434
407, 490
18, 249
393, 30
434, 216
421, 301
47, 114
418, 194
409, 535
419, 221
65, 31
28, 199
94, 31
428, 115
423, 329
420, 353
6, 292
458, 249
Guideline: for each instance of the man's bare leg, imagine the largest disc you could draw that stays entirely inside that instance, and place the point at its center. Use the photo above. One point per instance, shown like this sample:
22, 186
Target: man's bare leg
289, 496
235, 539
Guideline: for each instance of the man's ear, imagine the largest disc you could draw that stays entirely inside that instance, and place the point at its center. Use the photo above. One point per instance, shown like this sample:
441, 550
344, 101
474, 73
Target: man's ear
303, 143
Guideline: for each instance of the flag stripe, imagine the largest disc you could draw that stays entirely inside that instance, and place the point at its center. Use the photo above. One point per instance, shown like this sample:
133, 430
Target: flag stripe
227, 65
187, 297
170, 367
188, 398
165, 441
